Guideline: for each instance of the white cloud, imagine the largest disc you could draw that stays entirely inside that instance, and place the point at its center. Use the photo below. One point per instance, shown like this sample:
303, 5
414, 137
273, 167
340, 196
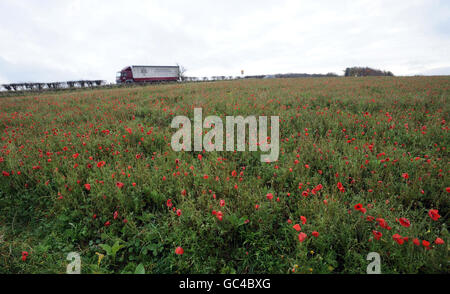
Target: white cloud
60, 40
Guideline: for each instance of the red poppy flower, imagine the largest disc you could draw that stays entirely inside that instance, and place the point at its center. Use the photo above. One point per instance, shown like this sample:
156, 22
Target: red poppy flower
119, 185
169, 203
416, 241
302, 236
269, 196
87, 187
303, 219
340, 187
397, 238
370, 218
434, 214
382, 223
439, 241
377, 235
358, 206
425, 243
178, 212
405, 176
222, 202
179, 250
316, 189
315, 234
404, 222
297, 227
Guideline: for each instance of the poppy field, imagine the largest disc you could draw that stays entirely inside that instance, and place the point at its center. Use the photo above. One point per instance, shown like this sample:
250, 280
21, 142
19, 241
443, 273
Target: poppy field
362, 167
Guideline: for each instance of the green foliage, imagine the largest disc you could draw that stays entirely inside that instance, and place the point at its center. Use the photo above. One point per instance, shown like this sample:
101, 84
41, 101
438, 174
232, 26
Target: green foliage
383, 139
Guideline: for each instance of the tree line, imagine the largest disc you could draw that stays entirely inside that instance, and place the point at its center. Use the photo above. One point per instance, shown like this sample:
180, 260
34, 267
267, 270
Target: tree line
53, 85
365, 71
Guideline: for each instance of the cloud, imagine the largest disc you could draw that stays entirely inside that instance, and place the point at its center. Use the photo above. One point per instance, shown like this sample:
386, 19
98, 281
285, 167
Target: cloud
59, 40
440, 71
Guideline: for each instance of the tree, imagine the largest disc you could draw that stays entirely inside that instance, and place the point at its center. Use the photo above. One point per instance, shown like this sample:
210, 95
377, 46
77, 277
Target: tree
181, 72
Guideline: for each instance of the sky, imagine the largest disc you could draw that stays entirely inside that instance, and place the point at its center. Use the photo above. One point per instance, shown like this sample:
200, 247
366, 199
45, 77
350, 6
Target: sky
43, 40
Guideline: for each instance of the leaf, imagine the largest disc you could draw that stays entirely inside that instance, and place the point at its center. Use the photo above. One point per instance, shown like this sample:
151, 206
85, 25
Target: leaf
140, 270
154, 248
116, 247
107, 248
242, 220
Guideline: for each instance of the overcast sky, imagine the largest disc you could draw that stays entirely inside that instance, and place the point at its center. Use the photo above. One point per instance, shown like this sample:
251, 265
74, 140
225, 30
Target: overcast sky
65, 40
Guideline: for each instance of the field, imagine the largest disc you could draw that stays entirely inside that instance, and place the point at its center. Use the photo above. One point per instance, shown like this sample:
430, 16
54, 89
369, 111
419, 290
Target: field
363, 167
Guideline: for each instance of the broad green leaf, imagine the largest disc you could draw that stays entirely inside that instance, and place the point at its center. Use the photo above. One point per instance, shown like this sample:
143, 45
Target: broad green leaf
140, 269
